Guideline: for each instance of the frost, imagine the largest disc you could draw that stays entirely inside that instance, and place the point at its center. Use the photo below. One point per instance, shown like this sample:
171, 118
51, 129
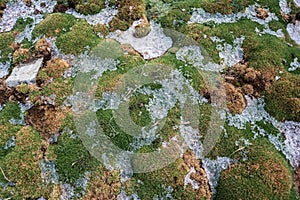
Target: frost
103, 17
193, 56
48, 172
284, 7
4, 69
10, 143
294, 65
294, 31
291, 131
188, 180
153, 45
213, 169
17, 9
232, 54
200, 16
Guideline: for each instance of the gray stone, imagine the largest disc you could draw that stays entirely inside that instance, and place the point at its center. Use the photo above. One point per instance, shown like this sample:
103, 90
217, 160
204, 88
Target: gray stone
24, 73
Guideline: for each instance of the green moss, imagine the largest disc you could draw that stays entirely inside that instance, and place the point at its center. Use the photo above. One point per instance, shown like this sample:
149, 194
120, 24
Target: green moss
54, 25
6, 39
78, 39
21, 167
88, 7
285, 97
60, 87
21, 24
72, 159
11, 110
7, 131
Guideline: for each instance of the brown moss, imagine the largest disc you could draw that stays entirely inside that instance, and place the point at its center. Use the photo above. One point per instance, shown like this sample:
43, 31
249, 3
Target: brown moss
236, 102
45, 118
262, 13
21, 55
56, 67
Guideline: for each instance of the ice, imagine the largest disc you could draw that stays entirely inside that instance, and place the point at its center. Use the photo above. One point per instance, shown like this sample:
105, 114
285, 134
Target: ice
232, 54
294, 31
291, 131
4, 69
103, 17
284, 7
10, 143
153, 45
17, 9
48, 172
213, 169
297, 2
294, 65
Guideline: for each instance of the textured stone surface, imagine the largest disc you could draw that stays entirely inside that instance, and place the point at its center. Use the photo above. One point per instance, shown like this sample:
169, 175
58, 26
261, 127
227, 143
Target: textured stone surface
24, 73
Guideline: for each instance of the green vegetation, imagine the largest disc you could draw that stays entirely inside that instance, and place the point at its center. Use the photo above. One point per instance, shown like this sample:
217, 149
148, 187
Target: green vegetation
6, 39
78, 40
21, 167
72, 159
285, 97
87, 7
21, 24
10, 111
54, 25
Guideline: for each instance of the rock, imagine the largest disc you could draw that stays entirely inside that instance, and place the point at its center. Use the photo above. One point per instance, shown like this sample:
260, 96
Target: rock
262, 13
142, 29
24, 73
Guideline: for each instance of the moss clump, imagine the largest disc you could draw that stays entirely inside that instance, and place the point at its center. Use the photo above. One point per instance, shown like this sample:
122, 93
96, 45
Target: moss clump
11, 110
21, 24
21, 167
128, 11
54, 25
87, 7
266, 176
7, 131
21, 55
78, 39
285, 97
72, 159
6, 39
104, 184
22, 88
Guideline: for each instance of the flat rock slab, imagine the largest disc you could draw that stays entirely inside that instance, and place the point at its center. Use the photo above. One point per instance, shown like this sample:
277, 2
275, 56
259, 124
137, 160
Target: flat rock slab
24, 73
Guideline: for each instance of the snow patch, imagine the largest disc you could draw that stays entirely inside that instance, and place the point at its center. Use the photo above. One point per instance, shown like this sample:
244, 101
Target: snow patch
294, 31
294, 65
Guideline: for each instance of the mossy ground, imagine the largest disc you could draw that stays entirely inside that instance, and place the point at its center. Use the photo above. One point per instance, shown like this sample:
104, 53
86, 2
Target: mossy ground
265, 174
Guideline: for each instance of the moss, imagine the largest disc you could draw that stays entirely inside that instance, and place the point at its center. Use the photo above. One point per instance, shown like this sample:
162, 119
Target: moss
22, 88
21, 167
21, 24
78, 39
21, 55
265, 176
284, 96
54, 25
11, 110
6, 39
7, 131
73, 159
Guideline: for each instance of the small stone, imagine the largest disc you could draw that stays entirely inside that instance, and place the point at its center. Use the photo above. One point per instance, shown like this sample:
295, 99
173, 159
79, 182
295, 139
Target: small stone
24, 73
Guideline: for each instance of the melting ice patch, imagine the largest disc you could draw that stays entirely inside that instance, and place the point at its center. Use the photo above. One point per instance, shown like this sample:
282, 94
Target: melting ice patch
17, 9
4, 69
294, 65
291, 130
294, 31
213, 169
284, 7
103, 17
201, 16
188, 180
153, 45
193, 56
232, 54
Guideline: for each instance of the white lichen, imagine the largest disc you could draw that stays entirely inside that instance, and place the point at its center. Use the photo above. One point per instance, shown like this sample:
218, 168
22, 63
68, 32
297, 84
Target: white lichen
294, 65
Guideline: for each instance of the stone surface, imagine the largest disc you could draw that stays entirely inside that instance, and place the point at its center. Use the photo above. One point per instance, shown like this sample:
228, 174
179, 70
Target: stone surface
24, 73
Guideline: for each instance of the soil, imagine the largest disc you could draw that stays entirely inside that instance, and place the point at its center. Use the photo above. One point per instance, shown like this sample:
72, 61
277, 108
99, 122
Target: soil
297, 179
